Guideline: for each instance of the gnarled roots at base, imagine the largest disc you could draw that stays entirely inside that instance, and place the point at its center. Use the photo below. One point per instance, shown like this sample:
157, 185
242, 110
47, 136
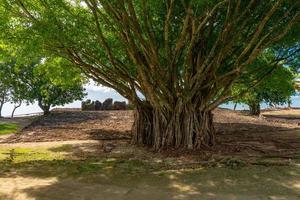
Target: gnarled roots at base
184, 128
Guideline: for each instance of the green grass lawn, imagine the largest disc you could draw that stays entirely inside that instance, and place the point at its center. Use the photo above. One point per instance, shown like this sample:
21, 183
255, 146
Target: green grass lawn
8, 128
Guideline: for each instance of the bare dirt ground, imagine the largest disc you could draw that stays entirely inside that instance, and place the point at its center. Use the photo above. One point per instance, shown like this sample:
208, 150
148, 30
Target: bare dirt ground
77, 125
274, 134
87, 155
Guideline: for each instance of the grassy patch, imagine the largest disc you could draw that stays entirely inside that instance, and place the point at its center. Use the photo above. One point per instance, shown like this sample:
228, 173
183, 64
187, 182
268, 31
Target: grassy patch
8, 128
58, 160
18, 155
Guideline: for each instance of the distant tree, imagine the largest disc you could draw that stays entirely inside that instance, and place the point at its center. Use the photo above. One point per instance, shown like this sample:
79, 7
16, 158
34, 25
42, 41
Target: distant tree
276, 88
12, 88
18, 92
5, 78
4, 86
52, 82
49, 81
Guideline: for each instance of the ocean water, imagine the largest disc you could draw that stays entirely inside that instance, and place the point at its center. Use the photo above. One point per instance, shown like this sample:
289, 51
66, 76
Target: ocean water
295, 104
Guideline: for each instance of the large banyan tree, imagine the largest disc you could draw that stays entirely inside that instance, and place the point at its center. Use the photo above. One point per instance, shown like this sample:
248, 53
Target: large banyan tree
175, 60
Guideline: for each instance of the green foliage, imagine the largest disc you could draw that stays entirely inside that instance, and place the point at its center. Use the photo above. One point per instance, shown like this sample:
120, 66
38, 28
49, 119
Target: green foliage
275, 85
61, 82
5, 80
51, 81
55, 24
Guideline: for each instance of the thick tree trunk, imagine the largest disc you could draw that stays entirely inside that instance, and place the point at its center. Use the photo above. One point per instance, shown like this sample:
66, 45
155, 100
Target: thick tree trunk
254, 109
182, 128
45, 108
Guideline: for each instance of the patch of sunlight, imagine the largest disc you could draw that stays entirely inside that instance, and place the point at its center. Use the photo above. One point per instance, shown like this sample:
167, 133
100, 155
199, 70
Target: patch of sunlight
210, 194
172, 177
8, 128
108, 167
211, 183
16, 187
291, 184
185, 188
296, 185
111, 160
277, 198
228, 181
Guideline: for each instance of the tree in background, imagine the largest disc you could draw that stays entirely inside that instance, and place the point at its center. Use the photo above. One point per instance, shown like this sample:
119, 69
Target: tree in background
276, 88
5, 77
5, 86
182, 56
51, 82
273, 90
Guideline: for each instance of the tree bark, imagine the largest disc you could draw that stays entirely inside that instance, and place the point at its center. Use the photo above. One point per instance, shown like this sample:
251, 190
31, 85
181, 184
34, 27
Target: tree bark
184, 127
15, 108
235, 105
254, 109
1, 106
45, 108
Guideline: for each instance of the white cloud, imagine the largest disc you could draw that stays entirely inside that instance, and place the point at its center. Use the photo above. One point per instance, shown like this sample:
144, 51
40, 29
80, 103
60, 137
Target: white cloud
94, 87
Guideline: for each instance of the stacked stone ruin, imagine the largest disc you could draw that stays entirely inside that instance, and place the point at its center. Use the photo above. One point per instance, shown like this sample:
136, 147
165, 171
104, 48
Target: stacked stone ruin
108, 104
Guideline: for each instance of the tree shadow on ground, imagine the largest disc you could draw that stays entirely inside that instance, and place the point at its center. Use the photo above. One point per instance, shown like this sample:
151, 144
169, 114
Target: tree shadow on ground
253, 128
257, 140
115, 179
95, 125
57, 118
